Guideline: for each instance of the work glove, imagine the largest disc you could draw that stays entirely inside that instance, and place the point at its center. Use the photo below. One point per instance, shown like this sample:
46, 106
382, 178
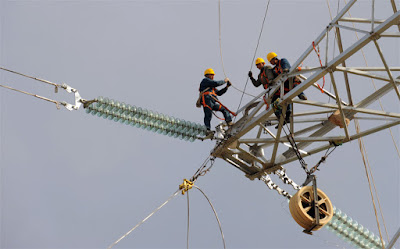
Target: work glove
226, 80
250, 74
228, 84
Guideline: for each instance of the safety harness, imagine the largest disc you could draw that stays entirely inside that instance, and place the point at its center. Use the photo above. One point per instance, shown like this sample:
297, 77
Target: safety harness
296, 80
213, 95
264, 79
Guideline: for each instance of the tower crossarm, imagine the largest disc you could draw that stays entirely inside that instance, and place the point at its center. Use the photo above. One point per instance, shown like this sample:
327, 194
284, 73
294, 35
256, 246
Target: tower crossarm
258, 115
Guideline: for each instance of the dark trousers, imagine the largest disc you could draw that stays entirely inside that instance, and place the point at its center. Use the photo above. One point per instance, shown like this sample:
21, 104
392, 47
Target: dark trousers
278, 111
215, 106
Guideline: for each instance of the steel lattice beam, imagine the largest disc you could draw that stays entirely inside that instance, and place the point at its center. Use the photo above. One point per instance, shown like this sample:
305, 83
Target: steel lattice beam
254, 115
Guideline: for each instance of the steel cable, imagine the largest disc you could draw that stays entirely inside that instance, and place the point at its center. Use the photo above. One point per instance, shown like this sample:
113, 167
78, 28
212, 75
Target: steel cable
254, 56
34, 95
188, 221
141, 222
220, 49
31, 77
361, 144
215, 213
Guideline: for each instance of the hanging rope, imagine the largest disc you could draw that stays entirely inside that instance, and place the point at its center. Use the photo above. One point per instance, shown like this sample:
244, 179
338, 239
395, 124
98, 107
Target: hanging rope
183, 188
320, 62
203, 168
188, 221
251, 95
379, 100
215, 213
220, 47
189, 184
254, 56
360, 139
366, 166
140, 223
334, 43
323, 158
220, 43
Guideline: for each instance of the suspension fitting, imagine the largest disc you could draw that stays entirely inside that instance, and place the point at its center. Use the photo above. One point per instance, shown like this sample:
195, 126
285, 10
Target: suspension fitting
78, 98
185, 186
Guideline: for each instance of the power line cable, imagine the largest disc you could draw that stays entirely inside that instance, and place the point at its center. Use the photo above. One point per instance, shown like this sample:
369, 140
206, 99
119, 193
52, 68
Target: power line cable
220, 49
34, 95
255, 52
361, 144
188, 221
144, 220
216, 215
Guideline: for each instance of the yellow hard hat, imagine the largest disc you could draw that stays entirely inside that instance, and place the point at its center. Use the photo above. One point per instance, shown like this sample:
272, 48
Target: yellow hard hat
271, 55
259, 60
209, 71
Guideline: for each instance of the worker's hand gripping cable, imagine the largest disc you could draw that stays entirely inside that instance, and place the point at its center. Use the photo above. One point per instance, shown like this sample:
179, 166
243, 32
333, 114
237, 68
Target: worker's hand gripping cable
78, 99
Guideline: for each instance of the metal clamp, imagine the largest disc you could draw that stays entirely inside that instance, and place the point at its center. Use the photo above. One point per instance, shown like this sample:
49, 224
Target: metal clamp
314, 203
185, 186
78, 98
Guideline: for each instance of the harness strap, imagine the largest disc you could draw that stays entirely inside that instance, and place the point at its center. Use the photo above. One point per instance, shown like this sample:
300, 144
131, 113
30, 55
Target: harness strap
320, 62
278, 68
265, 101
264, 74
211, 94
231, 112
204, 92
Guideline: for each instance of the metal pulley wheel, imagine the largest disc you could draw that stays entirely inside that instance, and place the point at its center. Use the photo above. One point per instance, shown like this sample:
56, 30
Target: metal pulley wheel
301, 207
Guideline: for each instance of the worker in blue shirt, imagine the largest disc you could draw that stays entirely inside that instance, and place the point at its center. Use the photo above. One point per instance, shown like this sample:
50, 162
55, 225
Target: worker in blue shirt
209, 99
283, 66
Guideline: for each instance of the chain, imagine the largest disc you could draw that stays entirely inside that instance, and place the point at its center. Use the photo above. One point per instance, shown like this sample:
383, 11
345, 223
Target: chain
271, 185
296, 150
203, 168
322, 160
284, 177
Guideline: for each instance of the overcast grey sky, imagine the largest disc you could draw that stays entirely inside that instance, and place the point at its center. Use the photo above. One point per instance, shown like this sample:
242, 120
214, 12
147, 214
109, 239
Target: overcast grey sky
72, 180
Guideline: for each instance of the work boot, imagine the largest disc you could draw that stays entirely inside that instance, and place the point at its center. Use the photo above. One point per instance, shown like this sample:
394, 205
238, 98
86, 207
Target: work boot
302, 96
286, 121
209, 134
230, 123
277, 126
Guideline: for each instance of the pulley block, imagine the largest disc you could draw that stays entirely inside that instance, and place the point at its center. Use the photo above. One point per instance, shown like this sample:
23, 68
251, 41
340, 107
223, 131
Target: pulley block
302, 207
